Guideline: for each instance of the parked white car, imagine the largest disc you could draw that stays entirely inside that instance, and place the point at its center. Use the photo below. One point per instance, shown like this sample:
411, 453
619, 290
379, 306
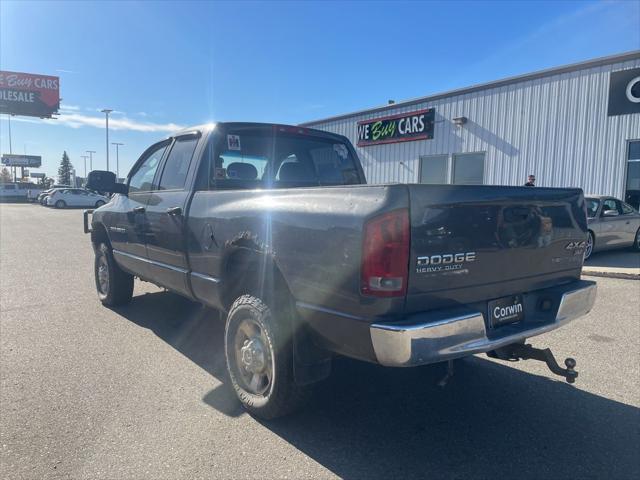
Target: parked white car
75, 197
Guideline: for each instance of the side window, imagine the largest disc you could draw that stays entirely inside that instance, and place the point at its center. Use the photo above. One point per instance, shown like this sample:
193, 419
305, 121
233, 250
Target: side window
627, 209
176, 167
142, 178
609, 204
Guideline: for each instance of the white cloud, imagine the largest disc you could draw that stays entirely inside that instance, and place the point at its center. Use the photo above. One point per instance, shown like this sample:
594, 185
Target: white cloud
79, 120
69, 108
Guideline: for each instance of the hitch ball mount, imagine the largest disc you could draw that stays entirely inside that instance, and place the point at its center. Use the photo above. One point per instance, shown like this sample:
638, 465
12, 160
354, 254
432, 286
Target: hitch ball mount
521, 351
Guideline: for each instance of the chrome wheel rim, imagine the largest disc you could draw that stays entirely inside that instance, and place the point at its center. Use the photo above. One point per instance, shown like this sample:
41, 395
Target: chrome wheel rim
589, 248
103, 274
253, 358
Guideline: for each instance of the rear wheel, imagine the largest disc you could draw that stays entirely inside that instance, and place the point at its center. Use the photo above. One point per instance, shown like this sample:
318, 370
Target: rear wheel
115, 286
259, 354
61, 204
636, 243
590, 243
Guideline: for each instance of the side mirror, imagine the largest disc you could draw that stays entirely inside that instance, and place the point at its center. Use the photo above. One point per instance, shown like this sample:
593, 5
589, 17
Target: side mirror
104, 181
610, 213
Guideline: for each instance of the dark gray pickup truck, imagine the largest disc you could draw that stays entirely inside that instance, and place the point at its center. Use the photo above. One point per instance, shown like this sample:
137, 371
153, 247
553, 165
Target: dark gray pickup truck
275, 226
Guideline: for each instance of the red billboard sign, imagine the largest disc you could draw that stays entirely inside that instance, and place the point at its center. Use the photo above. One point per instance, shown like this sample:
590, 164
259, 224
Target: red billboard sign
29, 94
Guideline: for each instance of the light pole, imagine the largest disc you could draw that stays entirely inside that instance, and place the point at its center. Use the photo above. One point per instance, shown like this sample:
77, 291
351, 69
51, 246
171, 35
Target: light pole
91, 152
117, 159
106, 112
15, 170
84, 157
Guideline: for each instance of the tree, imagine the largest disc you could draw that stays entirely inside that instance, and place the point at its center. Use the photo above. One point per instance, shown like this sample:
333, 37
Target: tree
5, 175
64, 170
45, 182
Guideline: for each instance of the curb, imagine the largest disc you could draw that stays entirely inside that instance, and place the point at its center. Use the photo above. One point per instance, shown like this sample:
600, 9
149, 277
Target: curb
621, 275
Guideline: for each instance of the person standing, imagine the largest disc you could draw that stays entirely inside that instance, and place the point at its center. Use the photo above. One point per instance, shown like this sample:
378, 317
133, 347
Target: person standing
531, 182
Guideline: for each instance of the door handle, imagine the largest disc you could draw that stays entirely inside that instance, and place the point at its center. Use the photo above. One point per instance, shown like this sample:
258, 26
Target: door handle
174, 211
139, 210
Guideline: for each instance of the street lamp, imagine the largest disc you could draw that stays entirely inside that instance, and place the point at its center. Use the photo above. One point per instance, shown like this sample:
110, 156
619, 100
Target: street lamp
117, 159
84, 157
106, 112
91, 152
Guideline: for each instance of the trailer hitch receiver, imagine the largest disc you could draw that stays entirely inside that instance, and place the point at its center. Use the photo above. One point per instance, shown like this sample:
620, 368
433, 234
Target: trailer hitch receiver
521, 351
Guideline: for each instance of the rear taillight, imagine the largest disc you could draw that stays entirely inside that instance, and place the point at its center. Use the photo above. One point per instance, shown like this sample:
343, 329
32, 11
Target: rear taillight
385, 255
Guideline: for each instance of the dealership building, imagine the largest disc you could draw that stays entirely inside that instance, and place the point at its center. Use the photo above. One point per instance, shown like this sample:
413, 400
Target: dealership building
576, 125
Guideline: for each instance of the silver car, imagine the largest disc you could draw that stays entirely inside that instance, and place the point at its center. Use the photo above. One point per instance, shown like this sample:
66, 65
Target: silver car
612, 224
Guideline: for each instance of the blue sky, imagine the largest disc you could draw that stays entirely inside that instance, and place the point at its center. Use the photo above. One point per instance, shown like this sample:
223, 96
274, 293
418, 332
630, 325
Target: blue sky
168, 64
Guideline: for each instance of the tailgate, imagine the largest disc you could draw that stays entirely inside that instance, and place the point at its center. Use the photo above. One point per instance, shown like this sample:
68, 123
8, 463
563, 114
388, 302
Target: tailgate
474, 243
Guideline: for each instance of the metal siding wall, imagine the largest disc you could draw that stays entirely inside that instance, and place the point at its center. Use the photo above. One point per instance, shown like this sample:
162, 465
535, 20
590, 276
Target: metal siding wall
556, 127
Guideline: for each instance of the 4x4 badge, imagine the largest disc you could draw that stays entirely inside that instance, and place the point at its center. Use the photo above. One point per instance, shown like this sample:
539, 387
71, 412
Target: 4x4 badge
576, 247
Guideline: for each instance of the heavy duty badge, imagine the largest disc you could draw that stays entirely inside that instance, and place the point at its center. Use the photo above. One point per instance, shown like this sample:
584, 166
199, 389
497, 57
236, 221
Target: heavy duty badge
444, 262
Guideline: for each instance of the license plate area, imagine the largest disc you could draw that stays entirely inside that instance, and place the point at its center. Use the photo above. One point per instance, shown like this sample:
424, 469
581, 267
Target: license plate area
506, 310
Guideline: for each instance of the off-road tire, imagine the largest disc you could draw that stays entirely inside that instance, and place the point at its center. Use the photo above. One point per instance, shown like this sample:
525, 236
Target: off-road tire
283, 395
120, 283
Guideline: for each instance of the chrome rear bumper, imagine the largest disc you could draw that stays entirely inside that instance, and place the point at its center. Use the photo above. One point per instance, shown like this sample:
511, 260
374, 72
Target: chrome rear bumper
445, 336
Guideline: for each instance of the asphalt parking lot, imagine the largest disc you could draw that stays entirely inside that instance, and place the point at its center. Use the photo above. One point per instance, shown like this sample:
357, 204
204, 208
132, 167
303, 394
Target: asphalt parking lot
141, 391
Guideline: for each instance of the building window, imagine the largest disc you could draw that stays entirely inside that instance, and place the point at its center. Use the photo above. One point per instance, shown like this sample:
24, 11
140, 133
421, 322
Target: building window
632, 194
434, 169
468, 169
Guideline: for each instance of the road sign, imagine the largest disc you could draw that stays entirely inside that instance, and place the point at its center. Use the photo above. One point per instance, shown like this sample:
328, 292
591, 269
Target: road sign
13, 160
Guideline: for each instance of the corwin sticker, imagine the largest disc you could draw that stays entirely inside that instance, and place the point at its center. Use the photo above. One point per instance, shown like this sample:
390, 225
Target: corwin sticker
508, 312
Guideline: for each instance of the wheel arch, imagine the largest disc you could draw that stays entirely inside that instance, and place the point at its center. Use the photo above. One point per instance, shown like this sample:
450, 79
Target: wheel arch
254, 272
99, 235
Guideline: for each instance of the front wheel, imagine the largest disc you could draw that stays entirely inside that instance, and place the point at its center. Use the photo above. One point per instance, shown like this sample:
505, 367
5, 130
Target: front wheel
115, 286
636, 243
99, 203
588, 250
259, 354
60, 204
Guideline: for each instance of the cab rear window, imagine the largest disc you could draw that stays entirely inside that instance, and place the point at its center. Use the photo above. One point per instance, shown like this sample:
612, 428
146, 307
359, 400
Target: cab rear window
246, 159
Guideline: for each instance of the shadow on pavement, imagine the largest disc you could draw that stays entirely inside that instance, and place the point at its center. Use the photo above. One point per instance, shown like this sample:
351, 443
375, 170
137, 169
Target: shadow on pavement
615, 258
368, 421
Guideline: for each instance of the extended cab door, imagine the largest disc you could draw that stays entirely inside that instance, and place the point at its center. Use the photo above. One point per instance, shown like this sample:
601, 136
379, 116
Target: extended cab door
128, 222
165, 213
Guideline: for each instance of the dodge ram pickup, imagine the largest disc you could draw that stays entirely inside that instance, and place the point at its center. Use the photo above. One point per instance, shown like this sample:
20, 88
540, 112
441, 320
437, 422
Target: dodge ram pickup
275, 226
